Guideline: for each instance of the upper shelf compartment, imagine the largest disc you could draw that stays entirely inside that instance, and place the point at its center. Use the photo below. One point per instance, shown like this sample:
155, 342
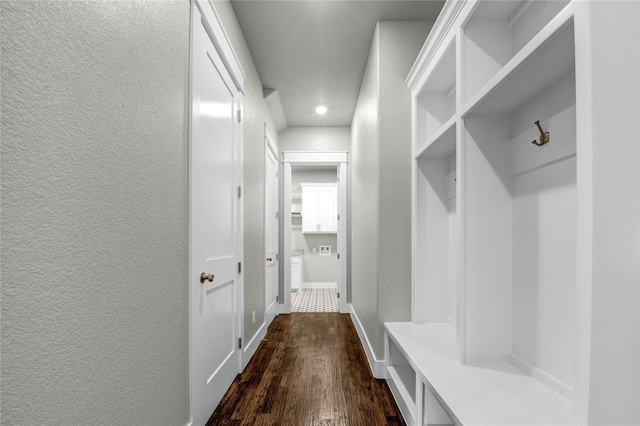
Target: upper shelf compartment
543, 62
437, 99
498, 31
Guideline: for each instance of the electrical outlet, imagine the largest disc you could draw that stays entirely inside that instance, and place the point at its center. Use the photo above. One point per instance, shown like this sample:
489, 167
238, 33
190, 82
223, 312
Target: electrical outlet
253, 317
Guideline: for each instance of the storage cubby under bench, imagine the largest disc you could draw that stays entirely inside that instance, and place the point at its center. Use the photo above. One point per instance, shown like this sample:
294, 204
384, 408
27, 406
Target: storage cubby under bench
435, 389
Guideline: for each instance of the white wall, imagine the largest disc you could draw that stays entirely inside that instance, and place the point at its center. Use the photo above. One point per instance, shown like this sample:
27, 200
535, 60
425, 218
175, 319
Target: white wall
255, 115
381, 181
95, 209
94, 212
365, 177
315, 139
400, 43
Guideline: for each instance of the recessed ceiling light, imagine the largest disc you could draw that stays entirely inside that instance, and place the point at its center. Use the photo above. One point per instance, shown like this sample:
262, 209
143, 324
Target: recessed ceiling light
321, 110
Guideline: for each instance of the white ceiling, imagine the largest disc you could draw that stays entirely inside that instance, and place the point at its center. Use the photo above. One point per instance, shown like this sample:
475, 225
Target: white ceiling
315, 52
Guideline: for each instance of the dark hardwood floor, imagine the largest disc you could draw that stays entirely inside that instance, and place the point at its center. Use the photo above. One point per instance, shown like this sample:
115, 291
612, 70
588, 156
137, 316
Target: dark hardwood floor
310, 369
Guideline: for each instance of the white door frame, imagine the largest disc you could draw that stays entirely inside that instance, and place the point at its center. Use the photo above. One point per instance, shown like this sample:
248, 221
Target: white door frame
213, 26
272, 146
311, 158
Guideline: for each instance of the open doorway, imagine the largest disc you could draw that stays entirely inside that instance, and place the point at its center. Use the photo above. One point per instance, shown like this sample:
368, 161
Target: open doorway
314, 201
314, 238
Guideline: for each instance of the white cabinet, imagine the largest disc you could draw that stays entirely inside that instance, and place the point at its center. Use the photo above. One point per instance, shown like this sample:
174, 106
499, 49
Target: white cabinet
296, 270
518, 277
319, 208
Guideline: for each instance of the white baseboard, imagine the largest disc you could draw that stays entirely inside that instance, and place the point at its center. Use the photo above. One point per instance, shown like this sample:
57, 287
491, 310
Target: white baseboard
319, 285
250, 347
377, 366
283, 310
541, 376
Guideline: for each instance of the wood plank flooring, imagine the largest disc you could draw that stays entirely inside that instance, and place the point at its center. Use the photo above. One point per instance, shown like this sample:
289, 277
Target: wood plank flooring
310, 369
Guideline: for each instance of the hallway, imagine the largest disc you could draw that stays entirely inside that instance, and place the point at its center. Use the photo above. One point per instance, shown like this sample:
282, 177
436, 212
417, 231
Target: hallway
310, 369
463, 241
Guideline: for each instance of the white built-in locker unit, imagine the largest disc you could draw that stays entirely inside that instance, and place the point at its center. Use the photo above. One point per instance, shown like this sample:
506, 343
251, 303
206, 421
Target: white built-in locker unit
525, 218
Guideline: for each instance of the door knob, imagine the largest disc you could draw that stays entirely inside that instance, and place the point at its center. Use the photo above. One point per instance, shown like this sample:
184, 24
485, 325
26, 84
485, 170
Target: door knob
269, 259
204, 277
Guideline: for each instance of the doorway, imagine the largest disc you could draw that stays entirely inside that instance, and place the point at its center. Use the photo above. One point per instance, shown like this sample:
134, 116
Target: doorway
314, 238
315, 255
271, 227
215, 211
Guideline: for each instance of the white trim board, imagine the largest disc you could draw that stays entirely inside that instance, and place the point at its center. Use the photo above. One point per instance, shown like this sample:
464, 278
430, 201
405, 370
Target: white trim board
308, 285
283, 308
220, 39
377, 366
271, 142
542, 376
316, 157
440, 35
271, 148
251, 347
339, 159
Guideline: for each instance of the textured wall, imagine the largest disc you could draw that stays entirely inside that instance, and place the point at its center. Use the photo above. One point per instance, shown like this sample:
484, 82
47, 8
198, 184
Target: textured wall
400, 43
381, 178
94, 212
365, 182
315, 139
255, 115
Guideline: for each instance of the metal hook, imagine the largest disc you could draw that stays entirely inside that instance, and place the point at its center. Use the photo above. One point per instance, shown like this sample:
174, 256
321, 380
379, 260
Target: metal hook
544, 136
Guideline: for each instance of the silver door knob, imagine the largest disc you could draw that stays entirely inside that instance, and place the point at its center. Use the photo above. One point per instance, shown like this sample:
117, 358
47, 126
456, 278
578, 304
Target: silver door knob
204, 277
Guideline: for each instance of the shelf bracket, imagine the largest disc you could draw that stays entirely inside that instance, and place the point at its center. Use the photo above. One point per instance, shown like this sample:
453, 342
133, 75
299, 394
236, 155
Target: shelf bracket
544, 136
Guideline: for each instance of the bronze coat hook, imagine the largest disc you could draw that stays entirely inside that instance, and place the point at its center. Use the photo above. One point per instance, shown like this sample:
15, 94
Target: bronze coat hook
544, 136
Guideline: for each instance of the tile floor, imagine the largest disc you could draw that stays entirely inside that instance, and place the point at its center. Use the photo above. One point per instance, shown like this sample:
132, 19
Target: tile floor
315, 300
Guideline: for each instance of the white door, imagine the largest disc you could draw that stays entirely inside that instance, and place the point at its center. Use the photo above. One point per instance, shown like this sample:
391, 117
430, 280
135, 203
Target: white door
214, 206
271, 235
341, 240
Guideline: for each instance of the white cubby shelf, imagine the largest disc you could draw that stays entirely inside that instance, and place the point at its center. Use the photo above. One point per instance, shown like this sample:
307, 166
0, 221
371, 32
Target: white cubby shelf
500, 36
498, 288
494, 393
436, 105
